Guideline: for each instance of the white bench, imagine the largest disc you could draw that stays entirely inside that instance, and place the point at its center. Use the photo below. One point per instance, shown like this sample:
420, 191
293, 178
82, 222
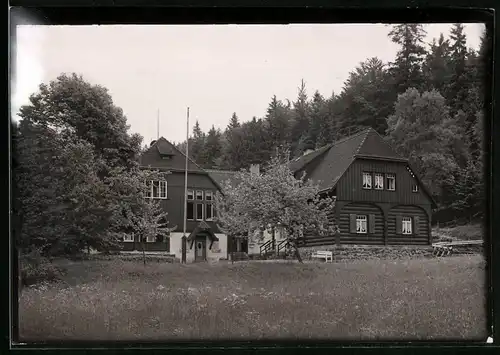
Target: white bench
321, 254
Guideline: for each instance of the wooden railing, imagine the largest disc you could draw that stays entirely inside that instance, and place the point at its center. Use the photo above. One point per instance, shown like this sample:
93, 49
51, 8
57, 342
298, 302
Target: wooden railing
267, 247
282, 246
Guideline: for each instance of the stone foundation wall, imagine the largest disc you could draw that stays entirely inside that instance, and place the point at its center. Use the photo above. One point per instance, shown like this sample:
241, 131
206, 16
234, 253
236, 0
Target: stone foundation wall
358, 252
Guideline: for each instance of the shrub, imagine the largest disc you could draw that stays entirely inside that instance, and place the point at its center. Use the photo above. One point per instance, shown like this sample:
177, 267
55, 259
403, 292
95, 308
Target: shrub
467, 232
36, 268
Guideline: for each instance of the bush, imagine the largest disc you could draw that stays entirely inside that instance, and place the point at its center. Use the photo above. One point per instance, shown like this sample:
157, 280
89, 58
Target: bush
36, 268
467, 232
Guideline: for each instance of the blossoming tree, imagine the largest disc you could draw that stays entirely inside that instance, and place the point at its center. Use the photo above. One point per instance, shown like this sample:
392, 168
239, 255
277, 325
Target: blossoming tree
274, 199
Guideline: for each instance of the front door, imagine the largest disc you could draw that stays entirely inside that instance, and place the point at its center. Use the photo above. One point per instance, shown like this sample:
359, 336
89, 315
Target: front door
200, 253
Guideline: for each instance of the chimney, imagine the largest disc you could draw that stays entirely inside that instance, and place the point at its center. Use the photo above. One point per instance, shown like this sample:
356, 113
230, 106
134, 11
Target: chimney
254, 169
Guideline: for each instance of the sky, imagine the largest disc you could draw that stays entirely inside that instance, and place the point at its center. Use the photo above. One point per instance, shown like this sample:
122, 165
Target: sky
214, 69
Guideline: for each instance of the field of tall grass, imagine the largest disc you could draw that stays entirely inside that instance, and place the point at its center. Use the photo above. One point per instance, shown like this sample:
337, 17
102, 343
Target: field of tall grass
431, 299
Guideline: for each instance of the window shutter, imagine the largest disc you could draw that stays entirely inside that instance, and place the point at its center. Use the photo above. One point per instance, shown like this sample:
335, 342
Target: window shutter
399, 225
371, 224
353, 223
416, 223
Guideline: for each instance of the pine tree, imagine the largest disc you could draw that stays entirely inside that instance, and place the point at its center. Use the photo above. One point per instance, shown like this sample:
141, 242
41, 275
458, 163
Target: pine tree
232, 147
407, 68
197, 144
213, 148
437, 67
318, 118
278, 123
459, 84
301, 115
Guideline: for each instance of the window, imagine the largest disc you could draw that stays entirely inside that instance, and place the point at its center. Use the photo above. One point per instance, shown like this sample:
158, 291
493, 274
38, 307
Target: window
163, 189
199, 211
151, 239
379, 182
415, 188
406, 225
190, 210
199, 195
148, 188
391, 182
128, 238
361, 224
367, 181
190, 195
156, 189
209, 196
209, 213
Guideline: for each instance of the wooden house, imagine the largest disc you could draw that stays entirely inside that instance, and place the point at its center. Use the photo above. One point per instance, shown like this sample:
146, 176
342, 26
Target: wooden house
380, 200
204, 240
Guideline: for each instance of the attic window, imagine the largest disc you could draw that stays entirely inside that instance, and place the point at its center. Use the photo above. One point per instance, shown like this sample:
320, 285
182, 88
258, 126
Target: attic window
414, 188
166, 157
367, 181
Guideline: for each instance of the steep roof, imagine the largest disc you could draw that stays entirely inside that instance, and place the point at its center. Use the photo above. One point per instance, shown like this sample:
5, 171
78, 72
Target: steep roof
176, 160
327, 164
330, 161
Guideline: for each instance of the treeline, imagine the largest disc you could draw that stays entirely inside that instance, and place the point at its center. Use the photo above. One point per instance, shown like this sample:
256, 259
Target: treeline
428, 103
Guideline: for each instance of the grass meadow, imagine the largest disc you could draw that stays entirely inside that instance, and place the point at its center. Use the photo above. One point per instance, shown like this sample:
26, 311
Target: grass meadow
426, 299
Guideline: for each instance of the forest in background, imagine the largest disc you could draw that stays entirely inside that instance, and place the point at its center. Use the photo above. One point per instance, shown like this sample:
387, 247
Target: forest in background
428, 103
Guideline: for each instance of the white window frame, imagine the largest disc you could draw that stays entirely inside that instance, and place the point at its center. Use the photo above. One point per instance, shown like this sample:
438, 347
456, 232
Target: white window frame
159, 195
202, 211
209, 194
128, 238
199, 193
414, 188
406, 225
361, 221
367, 181
163, 190
211, 207
391, 177
151, 239
379, 181
190, 192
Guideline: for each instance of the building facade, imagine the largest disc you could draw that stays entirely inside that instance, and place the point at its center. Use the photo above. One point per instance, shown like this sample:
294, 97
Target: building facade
204, 240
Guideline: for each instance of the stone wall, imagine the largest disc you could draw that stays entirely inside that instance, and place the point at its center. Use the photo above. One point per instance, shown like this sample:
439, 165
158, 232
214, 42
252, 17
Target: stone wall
362, 252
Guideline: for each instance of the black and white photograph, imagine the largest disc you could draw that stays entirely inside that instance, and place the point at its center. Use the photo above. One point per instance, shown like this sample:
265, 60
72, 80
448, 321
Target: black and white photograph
250, 182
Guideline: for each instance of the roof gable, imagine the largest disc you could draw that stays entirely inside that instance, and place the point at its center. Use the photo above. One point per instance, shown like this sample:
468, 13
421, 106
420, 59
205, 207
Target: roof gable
373, 145
165, 148
332, 160
163, 154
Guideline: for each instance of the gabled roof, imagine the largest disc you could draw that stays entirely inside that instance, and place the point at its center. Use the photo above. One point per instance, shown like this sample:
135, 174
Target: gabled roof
153, 157
165, 147
327, 164
330, 161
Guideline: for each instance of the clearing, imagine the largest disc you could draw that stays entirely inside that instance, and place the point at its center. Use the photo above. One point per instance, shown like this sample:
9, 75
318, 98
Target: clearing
438, 299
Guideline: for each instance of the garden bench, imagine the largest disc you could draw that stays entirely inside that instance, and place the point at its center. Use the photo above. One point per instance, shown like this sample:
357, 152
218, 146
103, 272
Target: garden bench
322, 254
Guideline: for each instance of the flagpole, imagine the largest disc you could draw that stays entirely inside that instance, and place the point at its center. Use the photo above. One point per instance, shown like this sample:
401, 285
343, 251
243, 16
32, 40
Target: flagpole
158, 124
186, 171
